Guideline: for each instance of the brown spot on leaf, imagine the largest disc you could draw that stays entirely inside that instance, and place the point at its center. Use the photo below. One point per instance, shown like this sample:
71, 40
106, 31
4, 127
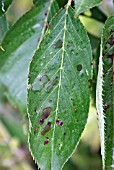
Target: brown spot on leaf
46, 112
35, 130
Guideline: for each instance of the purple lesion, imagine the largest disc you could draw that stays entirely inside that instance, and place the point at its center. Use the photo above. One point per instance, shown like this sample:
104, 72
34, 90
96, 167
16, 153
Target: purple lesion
46, 113
59, 122
46, 141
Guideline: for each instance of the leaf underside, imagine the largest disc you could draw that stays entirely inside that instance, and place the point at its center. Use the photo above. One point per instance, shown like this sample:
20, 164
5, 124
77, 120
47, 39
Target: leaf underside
58, 93
19, 44
105, 93
84, 5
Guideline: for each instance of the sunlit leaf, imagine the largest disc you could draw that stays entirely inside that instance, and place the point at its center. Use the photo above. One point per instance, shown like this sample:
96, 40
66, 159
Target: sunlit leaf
58, 93
93, 26
84, 5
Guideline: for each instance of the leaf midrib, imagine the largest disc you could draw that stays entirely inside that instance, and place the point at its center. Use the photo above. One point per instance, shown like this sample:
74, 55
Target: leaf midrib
61, 69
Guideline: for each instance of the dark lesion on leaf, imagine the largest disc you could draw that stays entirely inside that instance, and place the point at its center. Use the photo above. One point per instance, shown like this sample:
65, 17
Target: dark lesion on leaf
59, 122
79, 67
46, 112
46, 141
46, 129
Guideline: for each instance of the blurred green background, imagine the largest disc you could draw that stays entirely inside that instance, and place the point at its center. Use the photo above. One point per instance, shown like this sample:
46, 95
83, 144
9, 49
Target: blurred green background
14, 151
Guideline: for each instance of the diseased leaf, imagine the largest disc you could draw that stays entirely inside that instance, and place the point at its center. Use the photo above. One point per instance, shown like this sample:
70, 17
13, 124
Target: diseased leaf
19, 45
4, 5
58, 93
105, 93
83, 5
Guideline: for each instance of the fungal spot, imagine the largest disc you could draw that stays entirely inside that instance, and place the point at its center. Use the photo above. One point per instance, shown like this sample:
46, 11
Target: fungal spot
75, 110
46, 129
35, 130
106, 106
41, 121
46, 141
64, 134
46, 113
50, 86
39, 83
79, 67
111, 32
50, 100
35, 110
58, 44
46, 13
111, 57
59, 122
49, 124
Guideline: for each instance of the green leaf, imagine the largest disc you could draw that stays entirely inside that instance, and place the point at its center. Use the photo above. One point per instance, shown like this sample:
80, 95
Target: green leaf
19, 44
4, 5
58, 93
3, 27
93, 26
105, 93
83, 5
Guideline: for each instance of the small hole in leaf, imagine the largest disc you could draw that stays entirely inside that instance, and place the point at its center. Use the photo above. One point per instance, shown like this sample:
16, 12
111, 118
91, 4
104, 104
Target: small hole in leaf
79, 67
